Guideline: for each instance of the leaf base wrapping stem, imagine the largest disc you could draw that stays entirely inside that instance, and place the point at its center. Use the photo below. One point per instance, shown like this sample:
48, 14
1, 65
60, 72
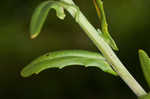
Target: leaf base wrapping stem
106, 51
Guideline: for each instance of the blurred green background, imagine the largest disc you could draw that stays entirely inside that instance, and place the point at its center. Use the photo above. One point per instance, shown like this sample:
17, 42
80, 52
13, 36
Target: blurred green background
129, 22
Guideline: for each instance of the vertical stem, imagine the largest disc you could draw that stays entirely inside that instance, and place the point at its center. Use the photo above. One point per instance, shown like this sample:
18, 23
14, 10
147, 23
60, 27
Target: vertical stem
106, 51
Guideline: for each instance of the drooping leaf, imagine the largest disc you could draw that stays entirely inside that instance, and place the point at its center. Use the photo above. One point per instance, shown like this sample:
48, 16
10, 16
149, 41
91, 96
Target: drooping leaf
145, 97
104, 26
61, 59
145, 64
41, 12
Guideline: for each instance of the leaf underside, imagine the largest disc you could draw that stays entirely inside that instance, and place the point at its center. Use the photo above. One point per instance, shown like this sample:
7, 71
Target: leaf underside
145, 64
60, 59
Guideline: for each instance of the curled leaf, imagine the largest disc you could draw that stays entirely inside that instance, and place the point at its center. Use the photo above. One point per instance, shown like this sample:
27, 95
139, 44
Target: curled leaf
145, 64
61, 59
41, 13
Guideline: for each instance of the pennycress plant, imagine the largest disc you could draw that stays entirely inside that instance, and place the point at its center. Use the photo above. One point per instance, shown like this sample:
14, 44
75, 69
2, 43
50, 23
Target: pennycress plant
108, 61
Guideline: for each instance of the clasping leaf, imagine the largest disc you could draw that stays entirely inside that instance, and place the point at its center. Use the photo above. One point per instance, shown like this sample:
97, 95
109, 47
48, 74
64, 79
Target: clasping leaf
104, 26
60, 59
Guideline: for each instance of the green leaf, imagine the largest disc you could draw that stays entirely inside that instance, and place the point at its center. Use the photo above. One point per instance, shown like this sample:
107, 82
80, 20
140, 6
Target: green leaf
108, 39
145, 97
145, 64
60, 59
41, 12
104, 26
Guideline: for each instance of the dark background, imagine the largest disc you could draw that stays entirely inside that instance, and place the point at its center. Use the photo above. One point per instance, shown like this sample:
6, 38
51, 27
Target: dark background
129, 22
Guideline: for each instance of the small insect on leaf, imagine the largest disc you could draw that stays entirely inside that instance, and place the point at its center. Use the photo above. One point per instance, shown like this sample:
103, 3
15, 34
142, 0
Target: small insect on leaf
60, 59
145, 64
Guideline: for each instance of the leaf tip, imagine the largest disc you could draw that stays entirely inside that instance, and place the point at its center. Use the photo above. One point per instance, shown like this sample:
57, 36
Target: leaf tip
140, 50
113, 45
116, 48
62, 17
34, 35
23, 74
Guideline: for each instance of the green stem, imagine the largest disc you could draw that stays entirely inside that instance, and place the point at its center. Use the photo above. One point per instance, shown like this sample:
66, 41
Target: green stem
106, 51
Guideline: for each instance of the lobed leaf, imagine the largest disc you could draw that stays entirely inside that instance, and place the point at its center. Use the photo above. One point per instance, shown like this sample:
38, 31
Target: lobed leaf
60, 59
145, 64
